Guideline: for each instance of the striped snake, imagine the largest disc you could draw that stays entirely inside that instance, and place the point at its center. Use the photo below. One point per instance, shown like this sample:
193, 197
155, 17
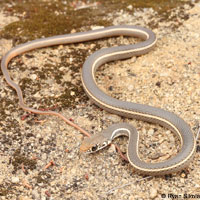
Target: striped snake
127, 109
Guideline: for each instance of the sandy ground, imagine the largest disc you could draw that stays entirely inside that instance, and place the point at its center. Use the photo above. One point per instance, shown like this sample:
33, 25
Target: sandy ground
167, 77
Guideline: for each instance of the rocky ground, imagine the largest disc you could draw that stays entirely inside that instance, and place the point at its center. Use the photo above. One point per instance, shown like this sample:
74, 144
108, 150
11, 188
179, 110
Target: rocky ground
39, 155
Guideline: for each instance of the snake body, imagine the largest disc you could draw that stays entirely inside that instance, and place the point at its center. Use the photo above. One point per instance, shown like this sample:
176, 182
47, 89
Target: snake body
122, 108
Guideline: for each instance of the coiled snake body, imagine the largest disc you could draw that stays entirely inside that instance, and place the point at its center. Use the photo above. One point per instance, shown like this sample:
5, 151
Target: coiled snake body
122, 108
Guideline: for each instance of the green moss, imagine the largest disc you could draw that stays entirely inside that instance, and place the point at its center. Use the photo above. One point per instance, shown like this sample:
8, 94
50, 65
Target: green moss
43, 177
7, 122
4, 103
6, 189
47, 19
161, 6
58, 17
65, 100
52, 71
18, 159
3, 191
29, 84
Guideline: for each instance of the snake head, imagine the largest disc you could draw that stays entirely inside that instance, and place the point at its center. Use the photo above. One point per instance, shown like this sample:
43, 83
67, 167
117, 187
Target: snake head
94, 143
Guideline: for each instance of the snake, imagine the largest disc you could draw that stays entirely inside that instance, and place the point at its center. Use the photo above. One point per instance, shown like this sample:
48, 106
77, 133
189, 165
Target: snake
122, 108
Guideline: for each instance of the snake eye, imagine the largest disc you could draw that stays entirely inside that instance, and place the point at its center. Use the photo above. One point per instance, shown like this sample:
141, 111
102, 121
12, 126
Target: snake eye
94, 148
104, 144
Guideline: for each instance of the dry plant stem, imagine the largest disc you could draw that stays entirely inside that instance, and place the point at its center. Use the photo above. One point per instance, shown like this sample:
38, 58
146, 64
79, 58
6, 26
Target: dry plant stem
127, 184
47, 193
25, 184
120, 153
23, 169
51, 163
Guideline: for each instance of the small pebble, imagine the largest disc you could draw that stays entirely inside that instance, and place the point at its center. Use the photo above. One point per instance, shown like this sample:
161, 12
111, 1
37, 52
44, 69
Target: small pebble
130, 87
112, 149
71, 60
23, 198
35, 194
37, 95
44, 156
114, 118
72, 93
150, 132
33, 76
153, 193
130, 7
15, 179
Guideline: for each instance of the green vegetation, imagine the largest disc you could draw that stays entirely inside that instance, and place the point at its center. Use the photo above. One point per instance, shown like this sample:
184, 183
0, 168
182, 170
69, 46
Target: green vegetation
18, 159
46, 18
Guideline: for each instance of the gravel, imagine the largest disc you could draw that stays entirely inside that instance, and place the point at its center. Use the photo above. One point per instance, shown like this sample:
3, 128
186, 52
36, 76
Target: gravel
167, 77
